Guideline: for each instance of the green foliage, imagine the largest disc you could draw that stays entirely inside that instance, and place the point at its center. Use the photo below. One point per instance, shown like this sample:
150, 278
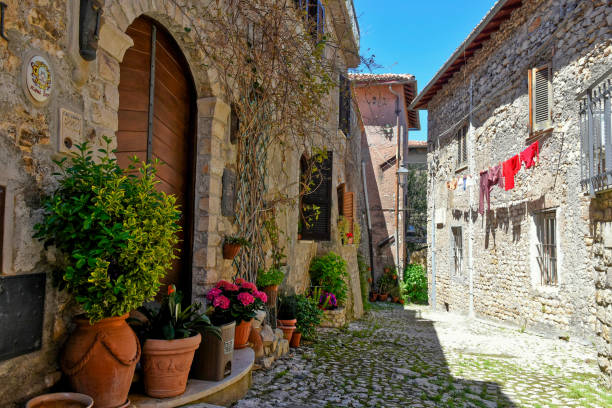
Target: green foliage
237, 240
356, 233
388, 280
414, 287
115, 231
364, 274
273, 276
308, 316
288, 307
170, 321
343, 229
329, 272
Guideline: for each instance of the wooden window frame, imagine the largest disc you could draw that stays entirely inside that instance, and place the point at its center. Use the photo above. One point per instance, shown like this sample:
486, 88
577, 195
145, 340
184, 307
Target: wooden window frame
533, 90
321, 228
344, 105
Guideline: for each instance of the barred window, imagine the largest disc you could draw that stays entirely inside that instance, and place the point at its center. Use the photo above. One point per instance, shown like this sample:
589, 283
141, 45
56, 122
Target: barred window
546, 228
457, 250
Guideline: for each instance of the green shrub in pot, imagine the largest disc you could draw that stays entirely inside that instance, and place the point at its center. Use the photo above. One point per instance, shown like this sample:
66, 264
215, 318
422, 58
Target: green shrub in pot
115, 232
308, 316
329, 272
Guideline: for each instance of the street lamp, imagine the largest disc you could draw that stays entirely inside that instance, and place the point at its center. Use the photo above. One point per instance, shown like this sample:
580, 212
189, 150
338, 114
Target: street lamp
402, 175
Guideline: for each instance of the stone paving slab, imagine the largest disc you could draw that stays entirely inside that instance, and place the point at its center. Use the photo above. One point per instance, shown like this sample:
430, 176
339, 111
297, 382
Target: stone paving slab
413, 357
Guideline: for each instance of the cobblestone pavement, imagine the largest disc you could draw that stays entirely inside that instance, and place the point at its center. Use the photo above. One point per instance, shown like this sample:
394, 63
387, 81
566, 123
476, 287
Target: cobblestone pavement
418, 358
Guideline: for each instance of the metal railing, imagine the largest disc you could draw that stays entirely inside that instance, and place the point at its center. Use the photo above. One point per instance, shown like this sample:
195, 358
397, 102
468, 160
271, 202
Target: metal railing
596, 135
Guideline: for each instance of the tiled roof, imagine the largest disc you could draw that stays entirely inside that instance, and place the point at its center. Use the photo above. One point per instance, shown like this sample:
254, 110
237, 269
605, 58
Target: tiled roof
380, 77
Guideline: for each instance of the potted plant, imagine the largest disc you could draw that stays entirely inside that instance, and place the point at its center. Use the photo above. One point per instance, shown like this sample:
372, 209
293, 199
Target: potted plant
329, 273
269, 281
300, 230
395, 293
232, 245
287, 315
236, 301
98, 219
308, 317
170, 337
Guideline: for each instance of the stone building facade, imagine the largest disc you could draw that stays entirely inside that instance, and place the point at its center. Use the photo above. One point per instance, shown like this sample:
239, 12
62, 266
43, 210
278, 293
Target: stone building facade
481, 113
376, 96
84, 102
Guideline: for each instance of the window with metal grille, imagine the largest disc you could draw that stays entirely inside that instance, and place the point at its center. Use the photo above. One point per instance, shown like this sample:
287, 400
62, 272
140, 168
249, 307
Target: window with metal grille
546, 229
344, 107
462, 147
387, 164
540, 98
596, 135
314, 15
317, 228
457, 250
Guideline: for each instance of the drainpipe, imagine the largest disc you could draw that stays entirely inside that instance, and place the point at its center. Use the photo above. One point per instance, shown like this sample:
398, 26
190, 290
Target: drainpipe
397, 165
432, 174
471, 200
367, 205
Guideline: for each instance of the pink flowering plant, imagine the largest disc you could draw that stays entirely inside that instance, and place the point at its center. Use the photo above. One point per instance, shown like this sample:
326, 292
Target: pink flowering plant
234, 301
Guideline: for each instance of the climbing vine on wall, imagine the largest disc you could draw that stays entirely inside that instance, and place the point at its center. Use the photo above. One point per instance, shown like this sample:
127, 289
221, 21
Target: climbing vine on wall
276, 67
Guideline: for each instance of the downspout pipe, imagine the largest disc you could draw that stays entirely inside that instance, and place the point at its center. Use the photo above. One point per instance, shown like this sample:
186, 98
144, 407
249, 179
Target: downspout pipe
367, 205
397, 165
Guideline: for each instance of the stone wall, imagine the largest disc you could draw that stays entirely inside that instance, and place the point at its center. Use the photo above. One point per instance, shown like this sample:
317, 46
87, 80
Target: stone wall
600, 250
29, 141
500, 278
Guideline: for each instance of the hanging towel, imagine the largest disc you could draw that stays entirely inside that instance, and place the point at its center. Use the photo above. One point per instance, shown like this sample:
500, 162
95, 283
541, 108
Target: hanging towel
451, 185
510, 168
529, 153
464, 182
495, 177
484, 190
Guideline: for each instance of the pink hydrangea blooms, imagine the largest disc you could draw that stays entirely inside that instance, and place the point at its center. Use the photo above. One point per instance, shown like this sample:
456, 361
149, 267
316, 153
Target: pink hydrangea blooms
212, 294
261, 296
222, 302
245, 298
248, 285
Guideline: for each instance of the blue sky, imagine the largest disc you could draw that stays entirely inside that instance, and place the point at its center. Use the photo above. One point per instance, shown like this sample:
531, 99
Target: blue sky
416, 36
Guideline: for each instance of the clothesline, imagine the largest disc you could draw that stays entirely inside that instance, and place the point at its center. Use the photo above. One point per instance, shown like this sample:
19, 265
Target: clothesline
501, 175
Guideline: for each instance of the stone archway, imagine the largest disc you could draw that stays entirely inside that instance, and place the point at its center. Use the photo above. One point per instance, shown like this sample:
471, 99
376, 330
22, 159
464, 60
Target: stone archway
211, 122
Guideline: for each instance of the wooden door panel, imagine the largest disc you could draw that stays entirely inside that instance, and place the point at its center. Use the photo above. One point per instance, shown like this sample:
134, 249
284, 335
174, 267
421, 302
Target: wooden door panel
172, 132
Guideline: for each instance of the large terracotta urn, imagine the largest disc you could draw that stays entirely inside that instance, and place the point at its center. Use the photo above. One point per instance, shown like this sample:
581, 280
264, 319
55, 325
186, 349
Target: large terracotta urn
166, 365
242, 333
100, 359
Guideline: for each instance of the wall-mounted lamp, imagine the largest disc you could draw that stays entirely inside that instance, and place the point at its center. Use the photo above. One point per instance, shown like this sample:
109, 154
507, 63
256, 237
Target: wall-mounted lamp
89, 28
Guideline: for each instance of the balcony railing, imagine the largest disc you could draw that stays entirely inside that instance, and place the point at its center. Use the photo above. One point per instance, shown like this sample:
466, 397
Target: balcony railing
596, 135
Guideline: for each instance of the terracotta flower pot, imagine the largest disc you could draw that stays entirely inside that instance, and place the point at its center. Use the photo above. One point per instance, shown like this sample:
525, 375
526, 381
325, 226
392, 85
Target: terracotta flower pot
295, 339
383, 297
256, 342
61, 399
395, 299
166, 365
100, 359
374, 297
213, 359
287, 331
369, 280
401, 301
230, 250
299, 237
289, 322
241, 336
271, 292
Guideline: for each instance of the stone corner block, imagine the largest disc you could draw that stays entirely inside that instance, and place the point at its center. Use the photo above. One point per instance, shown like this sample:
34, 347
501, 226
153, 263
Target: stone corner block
114, 41
214, 107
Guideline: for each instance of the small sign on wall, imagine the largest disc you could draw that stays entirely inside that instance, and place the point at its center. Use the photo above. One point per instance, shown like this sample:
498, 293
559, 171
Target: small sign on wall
70, 130
39, 79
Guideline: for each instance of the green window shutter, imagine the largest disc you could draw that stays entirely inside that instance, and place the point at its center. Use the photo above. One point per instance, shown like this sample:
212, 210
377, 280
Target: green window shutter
541, 98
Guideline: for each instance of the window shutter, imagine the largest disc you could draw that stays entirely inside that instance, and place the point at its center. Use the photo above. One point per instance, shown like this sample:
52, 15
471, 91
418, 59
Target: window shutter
340, 190
348, 210
319, 229
344, 105
541, 98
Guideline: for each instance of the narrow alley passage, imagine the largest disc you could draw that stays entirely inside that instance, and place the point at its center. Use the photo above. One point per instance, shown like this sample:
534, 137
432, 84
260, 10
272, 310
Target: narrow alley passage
419, 358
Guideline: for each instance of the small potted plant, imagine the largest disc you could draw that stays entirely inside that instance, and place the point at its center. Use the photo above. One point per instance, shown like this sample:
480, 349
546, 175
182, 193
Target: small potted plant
238, 301
329, 273
232, 245
268, 281
98, 219
395, 293
308, 317
300, 227
170, 336
286, 318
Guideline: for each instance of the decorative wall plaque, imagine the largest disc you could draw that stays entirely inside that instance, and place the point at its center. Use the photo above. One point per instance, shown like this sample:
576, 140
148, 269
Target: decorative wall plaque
39, 78
70, 130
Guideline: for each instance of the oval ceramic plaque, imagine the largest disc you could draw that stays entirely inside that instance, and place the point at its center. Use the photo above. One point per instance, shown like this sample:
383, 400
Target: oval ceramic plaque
39, 79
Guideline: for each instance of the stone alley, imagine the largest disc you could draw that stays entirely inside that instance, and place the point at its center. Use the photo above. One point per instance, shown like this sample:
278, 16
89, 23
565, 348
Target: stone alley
420, 358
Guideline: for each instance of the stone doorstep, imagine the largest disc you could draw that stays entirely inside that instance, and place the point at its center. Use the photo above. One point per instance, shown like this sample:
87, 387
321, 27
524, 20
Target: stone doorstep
198, 389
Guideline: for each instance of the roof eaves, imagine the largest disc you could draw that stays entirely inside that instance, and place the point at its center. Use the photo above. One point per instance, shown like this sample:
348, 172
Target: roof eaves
418, 102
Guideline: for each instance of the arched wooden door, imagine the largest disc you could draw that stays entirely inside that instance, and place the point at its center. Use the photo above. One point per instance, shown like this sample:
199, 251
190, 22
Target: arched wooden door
156, 121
